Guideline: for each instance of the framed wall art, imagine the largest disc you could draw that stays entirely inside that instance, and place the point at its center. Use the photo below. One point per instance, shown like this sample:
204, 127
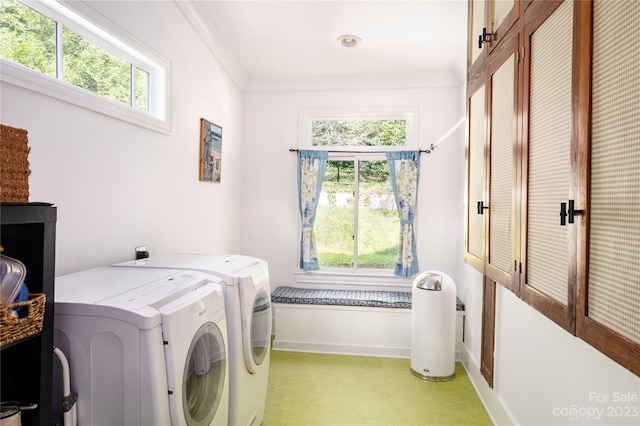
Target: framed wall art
210, 151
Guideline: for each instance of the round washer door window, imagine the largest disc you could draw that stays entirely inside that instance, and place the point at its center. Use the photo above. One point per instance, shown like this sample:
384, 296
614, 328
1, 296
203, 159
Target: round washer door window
204, 375
260, 333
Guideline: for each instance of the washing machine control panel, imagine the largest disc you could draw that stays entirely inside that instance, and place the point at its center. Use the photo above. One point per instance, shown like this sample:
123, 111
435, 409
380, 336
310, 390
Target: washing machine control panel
160, 292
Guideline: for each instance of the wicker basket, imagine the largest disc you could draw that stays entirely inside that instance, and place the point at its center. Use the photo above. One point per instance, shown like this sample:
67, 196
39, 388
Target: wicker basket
12, 329
14, 165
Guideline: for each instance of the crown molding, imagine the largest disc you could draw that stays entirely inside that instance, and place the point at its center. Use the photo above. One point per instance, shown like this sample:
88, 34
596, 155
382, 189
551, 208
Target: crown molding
206, 31
214, 42
359, 82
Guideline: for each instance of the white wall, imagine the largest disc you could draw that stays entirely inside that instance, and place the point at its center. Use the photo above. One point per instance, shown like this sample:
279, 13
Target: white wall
542, 374
546, 376
271, 126
117, 185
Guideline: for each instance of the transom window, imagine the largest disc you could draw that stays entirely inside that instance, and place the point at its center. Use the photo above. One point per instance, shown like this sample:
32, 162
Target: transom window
56, 42
359, 133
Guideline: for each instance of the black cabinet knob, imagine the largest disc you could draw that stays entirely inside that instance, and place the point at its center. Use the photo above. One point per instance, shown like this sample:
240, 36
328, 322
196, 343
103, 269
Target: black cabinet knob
484, 37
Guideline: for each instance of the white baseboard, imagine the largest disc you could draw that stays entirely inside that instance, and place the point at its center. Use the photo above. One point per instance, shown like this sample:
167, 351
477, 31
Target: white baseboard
491, 402
348, 330
325, 348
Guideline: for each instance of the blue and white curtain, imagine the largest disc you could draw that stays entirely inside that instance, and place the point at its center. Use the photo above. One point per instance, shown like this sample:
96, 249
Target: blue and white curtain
312, 166
404, 168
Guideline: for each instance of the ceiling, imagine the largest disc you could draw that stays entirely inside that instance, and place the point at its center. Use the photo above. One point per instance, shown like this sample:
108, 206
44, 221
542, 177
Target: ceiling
297, 40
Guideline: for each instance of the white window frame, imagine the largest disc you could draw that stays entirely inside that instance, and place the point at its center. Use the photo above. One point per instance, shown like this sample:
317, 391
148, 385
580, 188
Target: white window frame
82, 19
358, 277
409, 114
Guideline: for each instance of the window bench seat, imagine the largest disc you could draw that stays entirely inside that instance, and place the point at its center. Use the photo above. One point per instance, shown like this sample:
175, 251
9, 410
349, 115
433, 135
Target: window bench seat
350, 322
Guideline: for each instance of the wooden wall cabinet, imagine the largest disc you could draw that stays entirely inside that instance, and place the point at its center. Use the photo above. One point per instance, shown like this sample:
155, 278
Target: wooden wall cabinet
489, 22
477, 22
501, 15
607, 179
545, 251
527, 152
492, 106
553, 189
28, 234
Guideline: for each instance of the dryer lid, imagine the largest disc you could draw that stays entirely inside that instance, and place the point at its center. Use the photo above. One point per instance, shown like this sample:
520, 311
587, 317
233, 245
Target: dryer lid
196, 262
131, 295
239, 266
94, 285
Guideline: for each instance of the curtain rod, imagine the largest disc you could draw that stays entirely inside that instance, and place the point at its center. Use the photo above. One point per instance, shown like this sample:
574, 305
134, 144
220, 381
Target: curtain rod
427, 151
448, 133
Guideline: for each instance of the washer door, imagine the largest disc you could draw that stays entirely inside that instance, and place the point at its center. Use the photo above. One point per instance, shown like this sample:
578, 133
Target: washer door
260, 326
257, 338
204, 375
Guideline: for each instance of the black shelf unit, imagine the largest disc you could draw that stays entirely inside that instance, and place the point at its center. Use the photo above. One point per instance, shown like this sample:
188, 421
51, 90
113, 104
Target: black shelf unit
28, 233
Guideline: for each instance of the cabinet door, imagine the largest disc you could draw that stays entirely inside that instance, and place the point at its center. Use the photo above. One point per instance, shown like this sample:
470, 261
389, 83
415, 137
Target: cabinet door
476, 23
609, 291
547, 161
504, 13
488, 330
502, 74
475, 180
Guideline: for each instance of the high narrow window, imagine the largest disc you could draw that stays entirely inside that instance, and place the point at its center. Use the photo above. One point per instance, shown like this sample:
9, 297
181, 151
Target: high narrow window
141, 83
27, 37
56, 42
93, 68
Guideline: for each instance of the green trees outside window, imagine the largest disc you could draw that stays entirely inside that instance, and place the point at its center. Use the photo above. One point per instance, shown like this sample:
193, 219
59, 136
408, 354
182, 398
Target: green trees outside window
357, 222
29, 38
359, 133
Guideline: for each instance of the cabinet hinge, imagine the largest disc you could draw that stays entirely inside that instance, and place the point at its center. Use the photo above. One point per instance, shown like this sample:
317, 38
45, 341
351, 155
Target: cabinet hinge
517, 57
520, 271
522, 49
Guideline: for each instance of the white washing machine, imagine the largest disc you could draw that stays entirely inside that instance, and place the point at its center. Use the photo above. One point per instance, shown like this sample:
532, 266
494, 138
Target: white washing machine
145, 346
248, 306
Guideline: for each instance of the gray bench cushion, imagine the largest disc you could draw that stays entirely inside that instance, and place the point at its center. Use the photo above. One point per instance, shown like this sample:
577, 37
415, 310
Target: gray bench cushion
371, 299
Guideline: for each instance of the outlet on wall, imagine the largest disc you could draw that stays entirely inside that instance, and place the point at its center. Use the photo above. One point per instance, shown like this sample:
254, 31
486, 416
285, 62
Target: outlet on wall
141, 252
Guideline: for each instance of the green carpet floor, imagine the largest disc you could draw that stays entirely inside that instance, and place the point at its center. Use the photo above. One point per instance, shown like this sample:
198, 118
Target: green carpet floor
317, 389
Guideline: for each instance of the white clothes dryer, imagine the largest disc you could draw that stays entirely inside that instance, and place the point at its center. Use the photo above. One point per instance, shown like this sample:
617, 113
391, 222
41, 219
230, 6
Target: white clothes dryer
248, 307
145, 347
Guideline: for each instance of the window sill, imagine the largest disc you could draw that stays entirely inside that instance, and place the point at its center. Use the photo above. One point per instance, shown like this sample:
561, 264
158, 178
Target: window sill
352, 279
26, 78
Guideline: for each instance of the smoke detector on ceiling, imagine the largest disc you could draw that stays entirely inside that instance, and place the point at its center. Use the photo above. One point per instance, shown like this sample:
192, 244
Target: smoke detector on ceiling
349, 40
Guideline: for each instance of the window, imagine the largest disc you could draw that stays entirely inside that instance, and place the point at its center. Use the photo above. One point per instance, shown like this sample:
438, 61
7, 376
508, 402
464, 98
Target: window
357, 221
356, 225
65, 49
